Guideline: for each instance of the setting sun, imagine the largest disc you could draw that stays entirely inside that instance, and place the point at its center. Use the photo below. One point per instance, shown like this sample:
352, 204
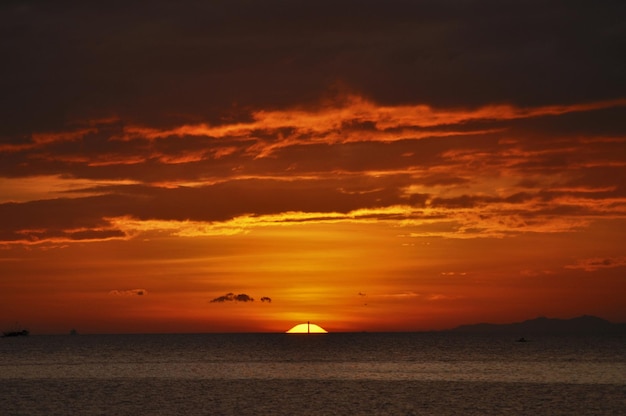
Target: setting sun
307, 328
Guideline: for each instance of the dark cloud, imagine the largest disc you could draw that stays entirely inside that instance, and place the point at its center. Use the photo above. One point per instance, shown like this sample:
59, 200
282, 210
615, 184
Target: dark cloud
191, 60
78, 218
266, 299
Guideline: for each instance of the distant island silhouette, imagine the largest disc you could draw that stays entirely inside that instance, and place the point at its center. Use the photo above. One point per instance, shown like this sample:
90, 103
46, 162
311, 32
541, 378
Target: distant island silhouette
585, 324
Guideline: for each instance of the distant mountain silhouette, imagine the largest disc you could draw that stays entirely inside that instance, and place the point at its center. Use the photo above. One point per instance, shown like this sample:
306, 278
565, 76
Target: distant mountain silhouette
581, 325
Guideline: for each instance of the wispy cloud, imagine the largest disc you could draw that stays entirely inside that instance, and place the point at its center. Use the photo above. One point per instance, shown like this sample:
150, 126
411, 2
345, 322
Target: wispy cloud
597, 263
410, 295
407, 294
128, 292
351, 119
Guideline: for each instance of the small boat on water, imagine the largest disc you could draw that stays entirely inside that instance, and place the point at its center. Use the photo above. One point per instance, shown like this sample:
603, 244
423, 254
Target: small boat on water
17, 333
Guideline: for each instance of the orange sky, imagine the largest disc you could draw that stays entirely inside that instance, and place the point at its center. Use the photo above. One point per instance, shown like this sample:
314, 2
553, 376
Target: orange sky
157, 173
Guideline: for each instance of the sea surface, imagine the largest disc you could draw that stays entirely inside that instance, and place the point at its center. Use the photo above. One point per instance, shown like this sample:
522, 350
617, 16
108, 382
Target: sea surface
317, 374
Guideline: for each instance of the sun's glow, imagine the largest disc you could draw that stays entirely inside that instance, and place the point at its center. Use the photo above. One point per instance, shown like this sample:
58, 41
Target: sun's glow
307, 328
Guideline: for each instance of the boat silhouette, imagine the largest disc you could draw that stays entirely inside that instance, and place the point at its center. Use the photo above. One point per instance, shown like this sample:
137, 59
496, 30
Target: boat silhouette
21, 333
16, 331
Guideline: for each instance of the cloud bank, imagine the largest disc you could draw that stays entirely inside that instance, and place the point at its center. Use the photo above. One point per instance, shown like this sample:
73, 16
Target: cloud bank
206, 120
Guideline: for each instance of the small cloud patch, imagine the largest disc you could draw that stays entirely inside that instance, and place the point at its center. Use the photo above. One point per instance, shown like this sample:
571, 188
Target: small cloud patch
231, 297
403, 295
129, 292
435, 297
241, 297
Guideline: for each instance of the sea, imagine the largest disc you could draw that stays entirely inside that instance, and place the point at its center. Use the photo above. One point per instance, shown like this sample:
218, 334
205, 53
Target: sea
434, 373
